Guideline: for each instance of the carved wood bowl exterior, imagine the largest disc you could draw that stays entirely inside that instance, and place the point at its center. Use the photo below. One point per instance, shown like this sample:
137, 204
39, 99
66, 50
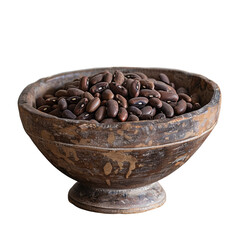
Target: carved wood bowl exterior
117, 165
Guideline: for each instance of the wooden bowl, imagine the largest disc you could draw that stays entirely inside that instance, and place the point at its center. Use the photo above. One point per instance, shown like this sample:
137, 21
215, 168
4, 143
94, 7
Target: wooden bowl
117, 165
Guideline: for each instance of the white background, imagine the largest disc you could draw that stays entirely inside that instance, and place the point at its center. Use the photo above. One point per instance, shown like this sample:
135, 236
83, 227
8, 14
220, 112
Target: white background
41, 38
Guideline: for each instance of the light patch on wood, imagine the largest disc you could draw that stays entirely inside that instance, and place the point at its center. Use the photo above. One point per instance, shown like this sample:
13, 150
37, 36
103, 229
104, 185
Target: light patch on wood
107, 168
111, 138
127, 137
46, 135
108, 182
120, 158
120, 132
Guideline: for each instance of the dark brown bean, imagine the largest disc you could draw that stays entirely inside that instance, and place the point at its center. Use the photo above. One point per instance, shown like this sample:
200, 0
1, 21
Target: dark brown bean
98, 87
167, 110
196, 106
118, 77
97, 95
107, 94
85, 116
132, 118
81, 106
122, 101
149, 93
134, 88
107, 77
155, 102
71, 107
51, 101
84, 83
70, 86
109, 120
122, 114
127, 83
73, 99
104, 103
182, 90
163, 86
168, 96
160, 115
54, 106
189, 107
101, 113
46, 96
173, 104
75, 92
131, 75
112, 108
141, 75
139, 102
96, 78
146, 113
181, 107
93, 105
61, 93
118, 89
45, 108
185, 97
56, 112
88, 95
164, 78
62, 103
154, 111
146, 84
40, 101
68, 114
135, 111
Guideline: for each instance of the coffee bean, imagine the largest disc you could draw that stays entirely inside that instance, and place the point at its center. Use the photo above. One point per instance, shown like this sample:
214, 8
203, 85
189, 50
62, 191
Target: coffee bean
155, 102
84, 84
118, 89
167, 109
134, 89
122, 101
112, 108
164, 78
93, 105
75, 92
107, 94
181, 107
146, 84
62, 103
85, 116
168, 96
149, 93
73, 99
101, 113
81, 106
135, 111
122, 114
132, 118
40, 101
185, 97
118, 77
99, 87
61, 93
160, 116
68, 114
45, 108
107, 77
139, 102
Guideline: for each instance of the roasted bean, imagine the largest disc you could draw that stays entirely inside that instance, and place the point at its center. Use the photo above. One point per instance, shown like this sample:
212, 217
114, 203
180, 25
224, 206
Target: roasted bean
164, 78
168, 96
101, 113
75, 92
107, 77
118, 77
185, 97
99, 87
88, 95
73, 99
118, 89
81, 106
146, 84
107, 94
181, 107
149, 93
68, 114
62, 103
167, 110
51, 101
40, 101
135, 111
160, 115
45, 108
93, 105
134, 89
85, 116
112, 108
122, 101
84, 83
132, 118
139, 102
155, 102
122, 114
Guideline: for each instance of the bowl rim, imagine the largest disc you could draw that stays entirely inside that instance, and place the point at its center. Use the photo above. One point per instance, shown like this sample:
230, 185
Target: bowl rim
24, 103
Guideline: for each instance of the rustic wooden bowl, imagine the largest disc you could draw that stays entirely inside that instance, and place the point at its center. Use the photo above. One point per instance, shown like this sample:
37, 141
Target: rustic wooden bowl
117, 165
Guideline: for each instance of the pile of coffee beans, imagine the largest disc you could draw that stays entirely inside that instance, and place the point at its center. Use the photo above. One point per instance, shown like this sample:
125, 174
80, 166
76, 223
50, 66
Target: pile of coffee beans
118, 97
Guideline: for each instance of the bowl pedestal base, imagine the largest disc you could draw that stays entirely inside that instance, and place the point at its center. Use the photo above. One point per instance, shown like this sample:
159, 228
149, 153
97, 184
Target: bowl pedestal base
106, 200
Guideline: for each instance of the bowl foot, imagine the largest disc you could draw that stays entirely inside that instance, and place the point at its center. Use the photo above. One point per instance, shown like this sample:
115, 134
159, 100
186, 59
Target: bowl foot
106, 200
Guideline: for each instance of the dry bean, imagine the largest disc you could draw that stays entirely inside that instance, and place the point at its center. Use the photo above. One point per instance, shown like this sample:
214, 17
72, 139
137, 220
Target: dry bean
107, 94
181, 107
139, 102
122, 114
100, 114
122, 101
112, 108
68, 114
81, 106
167, 110
93, 105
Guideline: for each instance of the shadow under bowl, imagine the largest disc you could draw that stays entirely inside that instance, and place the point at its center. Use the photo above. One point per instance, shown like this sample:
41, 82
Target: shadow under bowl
117, 165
